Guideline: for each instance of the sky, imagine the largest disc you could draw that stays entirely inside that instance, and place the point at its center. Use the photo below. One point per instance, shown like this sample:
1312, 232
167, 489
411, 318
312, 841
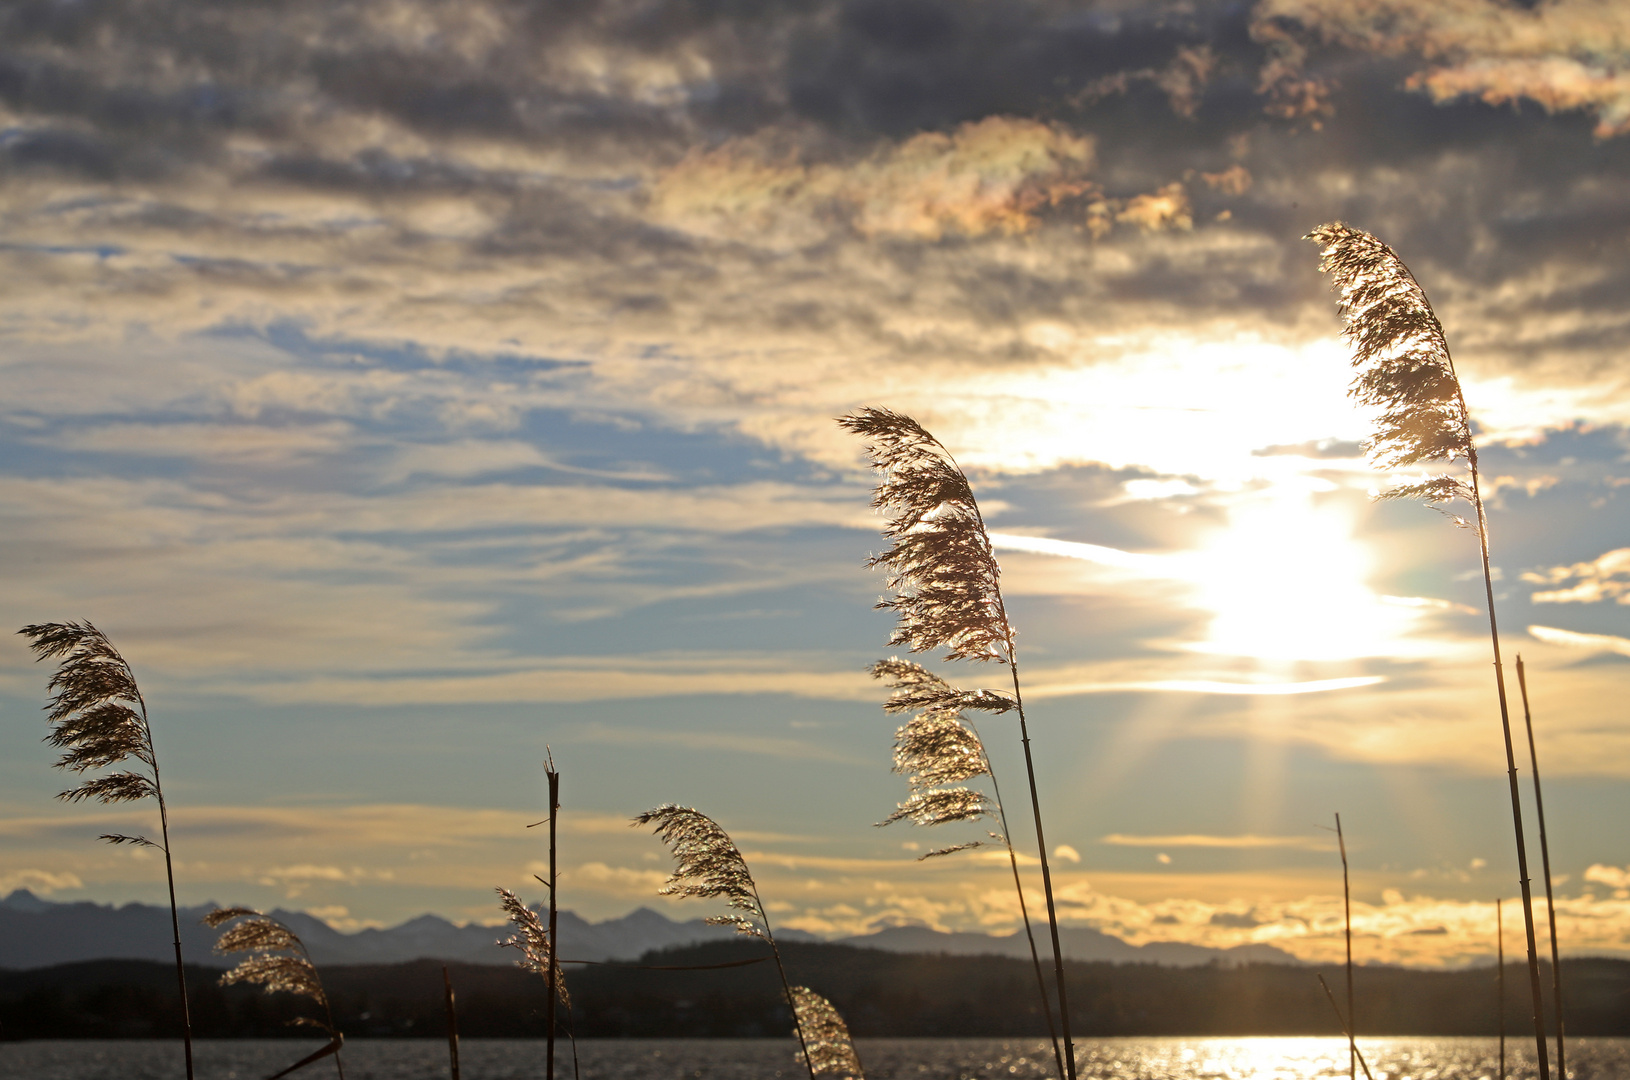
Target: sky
407, 387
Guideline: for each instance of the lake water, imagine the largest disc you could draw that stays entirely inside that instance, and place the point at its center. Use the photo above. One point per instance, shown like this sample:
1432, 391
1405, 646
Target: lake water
764, 1059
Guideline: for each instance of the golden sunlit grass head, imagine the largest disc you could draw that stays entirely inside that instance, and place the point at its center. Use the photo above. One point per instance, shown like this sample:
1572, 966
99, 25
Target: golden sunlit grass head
278, 961
91, 714
706, 864
827, 1046
937, 748
1404, 370
531, 938
941, 568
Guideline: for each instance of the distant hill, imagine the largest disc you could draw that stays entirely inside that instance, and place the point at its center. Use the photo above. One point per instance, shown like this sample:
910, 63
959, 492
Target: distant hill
36, 933
685, 992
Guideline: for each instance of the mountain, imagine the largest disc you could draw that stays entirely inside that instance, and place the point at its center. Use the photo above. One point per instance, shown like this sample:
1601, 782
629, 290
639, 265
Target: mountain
1076, 942
36, 933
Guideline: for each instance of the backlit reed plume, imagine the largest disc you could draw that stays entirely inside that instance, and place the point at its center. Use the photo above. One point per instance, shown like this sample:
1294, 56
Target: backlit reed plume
535, 943
946, 587
531, 939
829, 1048
279, 962
938, 748
99, 719
707, 864
1405, 374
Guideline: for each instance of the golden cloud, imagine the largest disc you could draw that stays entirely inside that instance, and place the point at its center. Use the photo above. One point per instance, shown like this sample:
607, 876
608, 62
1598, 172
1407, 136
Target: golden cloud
992, 175
1606, 577
1565, 55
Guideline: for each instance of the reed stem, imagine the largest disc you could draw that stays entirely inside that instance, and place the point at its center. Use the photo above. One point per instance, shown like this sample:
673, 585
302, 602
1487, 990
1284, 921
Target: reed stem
786, 986
554, 939
1347, 915
1499, 978
1511, 774
1024, 913
1346, 1028
1545, 862
1046, 873
452, 1023
169, 875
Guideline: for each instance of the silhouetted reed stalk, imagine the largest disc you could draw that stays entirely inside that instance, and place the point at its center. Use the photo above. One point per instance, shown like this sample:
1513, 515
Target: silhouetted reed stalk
91, 719
1405, 371
1499, 976
947, 590
707, 863
941, 747
1346, 1028
1347, 918
554, 910
1545, 863
452, 1023
280, 963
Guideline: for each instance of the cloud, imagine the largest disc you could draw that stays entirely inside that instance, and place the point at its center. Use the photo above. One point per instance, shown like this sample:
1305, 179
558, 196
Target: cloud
38, 881
992, 175
1574, 640
1067, 853
1563, 55
1606, 577
1244, 841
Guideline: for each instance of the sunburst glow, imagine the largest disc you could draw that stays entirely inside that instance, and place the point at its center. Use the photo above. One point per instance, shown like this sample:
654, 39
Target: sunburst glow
1286, 580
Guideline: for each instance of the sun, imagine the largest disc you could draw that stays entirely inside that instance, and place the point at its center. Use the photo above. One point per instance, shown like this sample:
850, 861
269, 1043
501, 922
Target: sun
1286, 580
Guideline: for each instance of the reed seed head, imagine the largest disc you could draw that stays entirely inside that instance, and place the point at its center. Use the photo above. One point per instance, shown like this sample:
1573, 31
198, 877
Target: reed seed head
279, 962
826, 1036
1404, 370
90, 712
531, 937
706, 864
941, 569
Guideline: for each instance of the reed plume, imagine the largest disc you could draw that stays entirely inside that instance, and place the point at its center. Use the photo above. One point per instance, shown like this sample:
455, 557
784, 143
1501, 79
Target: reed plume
99, 719
280, 963
829, 1049
535, 942
939, 747
946, 586
1406, 374
707, 864
531, 939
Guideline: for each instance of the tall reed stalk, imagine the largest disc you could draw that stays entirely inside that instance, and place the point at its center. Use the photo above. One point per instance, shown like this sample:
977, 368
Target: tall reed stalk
92, 720
452, 1023
1499, 976
707, 863
947, 591
939, 747
1405, 372
1545, 862
279, 962
554, 911
1347, 918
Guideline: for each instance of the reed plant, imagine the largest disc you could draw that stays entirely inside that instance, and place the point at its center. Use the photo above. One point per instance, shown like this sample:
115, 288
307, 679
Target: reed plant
938, 750
1545, 864
279, 962
707, 864
99, 719
828, 1047
532, 939
1406, 375
947, 594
